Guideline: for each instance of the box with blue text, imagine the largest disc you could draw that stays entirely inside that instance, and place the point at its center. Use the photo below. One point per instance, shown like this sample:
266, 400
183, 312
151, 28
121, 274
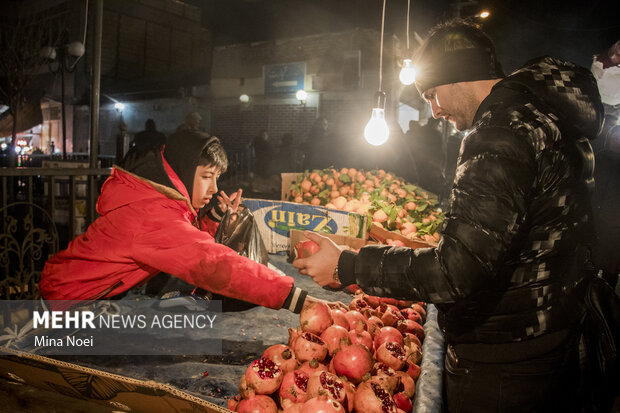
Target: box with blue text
275, 219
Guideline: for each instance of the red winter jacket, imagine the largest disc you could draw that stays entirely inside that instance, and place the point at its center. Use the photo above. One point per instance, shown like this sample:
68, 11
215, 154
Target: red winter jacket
146, 228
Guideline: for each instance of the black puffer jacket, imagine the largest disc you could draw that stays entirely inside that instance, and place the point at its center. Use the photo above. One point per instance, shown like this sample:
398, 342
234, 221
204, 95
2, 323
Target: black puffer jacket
512, 244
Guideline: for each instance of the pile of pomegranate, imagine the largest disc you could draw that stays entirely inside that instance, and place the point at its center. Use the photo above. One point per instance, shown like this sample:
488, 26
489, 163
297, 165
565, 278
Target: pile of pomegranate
365, 359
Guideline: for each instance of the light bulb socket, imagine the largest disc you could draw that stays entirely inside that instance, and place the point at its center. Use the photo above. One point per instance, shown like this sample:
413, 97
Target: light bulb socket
379, 101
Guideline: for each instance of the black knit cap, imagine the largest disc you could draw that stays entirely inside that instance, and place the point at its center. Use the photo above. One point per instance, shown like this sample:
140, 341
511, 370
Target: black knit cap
454, 52
182, 152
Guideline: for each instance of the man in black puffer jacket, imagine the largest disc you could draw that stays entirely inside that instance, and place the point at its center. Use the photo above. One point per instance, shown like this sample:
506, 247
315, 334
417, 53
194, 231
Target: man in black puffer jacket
506, 274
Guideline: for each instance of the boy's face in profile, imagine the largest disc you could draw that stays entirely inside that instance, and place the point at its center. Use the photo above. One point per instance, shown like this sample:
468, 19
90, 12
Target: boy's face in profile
205, 185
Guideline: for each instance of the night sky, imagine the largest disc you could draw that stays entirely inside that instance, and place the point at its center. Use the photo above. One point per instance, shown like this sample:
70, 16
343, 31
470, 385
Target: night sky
573, 30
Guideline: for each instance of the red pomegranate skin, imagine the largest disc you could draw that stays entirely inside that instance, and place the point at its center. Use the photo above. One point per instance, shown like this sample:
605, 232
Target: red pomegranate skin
386, 334
357, 304
309, 346
340, 319
353, 317
283, 356
257, 404
335, 337
373, 398
392, 354
362, 337
263, 376
374, 325
413, 370
311, 367
353, 362
407, 384
306, 248
293, 408
322, 405
329, 383
294, 388
403, 402
386, 376
315, 317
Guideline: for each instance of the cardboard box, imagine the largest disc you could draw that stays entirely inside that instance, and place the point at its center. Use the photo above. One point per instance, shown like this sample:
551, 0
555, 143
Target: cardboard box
287, 179
353, 243
275, 219
378, 233
117, 392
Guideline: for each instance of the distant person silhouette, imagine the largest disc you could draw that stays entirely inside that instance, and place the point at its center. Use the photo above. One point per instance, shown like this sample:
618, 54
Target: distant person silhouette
150, 136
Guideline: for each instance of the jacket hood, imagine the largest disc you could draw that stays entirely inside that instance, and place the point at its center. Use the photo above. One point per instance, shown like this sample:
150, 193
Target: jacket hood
124, 188
567, 90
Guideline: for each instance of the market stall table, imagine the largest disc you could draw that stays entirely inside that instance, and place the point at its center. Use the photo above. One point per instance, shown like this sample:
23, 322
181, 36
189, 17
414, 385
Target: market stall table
245, 335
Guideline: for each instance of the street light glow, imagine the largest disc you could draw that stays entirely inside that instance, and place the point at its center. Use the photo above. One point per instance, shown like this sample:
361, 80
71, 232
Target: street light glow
484, 14
119, 106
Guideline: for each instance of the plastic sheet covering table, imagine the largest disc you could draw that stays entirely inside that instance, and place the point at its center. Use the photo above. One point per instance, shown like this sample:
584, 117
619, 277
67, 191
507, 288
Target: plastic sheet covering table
246, 334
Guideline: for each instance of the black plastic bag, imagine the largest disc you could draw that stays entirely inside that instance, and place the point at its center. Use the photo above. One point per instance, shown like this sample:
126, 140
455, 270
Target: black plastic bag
239, 231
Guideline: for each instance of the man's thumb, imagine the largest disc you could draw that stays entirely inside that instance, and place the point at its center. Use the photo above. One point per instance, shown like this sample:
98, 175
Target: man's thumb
313, 236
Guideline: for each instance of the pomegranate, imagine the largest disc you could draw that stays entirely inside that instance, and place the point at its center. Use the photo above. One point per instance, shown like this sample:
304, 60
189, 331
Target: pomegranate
358, 304
418, 307
386, 376
407, 385
309, 346
353, 362
411, 338
326, 383
232, 403
283, 356
257, 404
413, 370
373, 325
372, 300
349, 389
292, 336
315, 317
340, 319
305, 249
294, 388
372, 398
369, 312
413, 351
244, 390
263, 376
293, 408
416, 329
387, 334
391, 316
322, 404
392, 354
353, 317
411, 314
334, 337
403, 402
359, 336
312, 367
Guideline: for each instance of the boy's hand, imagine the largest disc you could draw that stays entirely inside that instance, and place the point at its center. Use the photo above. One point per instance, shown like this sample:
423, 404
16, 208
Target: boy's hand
334, 305
231, 201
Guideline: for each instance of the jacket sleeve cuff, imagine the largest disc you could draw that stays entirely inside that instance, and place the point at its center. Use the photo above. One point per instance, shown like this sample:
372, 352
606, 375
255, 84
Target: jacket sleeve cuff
215, 214
295, 300
346, 268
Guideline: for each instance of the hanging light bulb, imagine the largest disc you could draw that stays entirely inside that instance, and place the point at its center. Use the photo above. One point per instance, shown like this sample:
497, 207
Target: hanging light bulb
407, 73
376, 131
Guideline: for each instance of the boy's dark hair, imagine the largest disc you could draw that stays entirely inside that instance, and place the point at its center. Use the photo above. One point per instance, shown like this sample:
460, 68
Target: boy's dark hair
214, 154
456, 51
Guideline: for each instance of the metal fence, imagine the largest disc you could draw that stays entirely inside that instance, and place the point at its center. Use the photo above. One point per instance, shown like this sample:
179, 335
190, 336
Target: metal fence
41, 210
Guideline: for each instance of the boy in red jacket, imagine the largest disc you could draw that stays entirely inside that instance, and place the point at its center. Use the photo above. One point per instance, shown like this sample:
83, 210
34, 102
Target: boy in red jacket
149, 224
